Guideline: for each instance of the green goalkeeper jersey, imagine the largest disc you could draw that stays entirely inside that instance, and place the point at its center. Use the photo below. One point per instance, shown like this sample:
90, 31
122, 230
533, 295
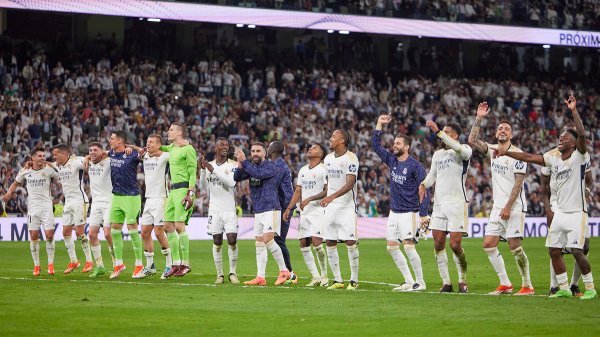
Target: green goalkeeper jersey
183, 163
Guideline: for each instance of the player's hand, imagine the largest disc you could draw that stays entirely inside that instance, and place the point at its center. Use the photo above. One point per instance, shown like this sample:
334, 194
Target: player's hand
384, 119
422, 193
498, 152
184, 142
549, 216
303, 204
240, 155
28, 164
424, 222
505, 213
142, 151
5, 198
433, 126
128, 150
286, 215
571, 103
187, 202
326, 201
483, 109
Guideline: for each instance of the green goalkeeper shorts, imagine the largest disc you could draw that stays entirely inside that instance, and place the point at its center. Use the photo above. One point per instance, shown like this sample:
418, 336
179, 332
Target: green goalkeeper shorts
125, 209
174, 210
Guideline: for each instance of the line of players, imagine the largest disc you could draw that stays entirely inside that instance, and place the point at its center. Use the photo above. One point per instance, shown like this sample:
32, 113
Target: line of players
326, 191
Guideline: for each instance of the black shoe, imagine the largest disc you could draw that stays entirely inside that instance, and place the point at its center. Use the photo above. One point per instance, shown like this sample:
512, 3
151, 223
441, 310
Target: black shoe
575, 290
446, 288
553, 290
462, 288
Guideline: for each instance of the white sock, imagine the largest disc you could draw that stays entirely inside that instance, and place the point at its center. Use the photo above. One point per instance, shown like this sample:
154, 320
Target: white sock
553, 280
401, 263
563, 281
415, 262
218, 258
111, 252
85, 245
442, 261
70, 248
168, 257
50, 248
34, 246
261, 259
353, 255
461, 266
334, 263
523, 264
233, 256
97, 252
309, 259
149, 259
277, 255
498, 263
322, 259
588, 281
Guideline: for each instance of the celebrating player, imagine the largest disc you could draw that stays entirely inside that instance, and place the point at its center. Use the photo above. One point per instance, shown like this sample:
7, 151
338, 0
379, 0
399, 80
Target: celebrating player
311, 186
406, 176
125, 203
217, 177
508, 214
39, 206
263, 176
156, 170
71, 169
101, 188
340, 218
450, 205
570, 216
183, 164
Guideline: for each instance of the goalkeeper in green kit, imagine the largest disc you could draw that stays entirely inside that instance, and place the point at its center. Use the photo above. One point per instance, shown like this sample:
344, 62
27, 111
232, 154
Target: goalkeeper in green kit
183, 165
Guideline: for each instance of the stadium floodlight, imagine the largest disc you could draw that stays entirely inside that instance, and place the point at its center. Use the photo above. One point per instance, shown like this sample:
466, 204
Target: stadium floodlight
153, 20
546, 46
344, 32
251, 26
239, 25
330, 31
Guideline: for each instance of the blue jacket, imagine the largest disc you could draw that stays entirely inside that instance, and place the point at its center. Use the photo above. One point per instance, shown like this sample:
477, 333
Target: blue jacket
406, 176
286, 188
264, 184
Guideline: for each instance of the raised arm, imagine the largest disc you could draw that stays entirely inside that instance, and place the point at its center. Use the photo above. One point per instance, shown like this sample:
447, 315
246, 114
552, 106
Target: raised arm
462, 150
572, 105
265, 170
240, 175
384, 154
225, 177
482, 111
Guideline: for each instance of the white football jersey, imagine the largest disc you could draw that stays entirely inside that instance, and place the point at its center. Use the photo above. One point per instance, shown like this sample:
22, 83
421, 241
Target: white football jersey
569, 177
504, 169
449, 173
337, 170
220, 185
71, 179
156, 171
38, 187
100, 182
312, 181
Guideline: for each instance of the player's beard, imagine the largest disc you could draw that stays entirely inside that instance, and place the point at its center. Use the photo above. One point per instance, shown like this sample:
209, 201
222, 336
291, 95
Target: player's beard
399, 153
256, 160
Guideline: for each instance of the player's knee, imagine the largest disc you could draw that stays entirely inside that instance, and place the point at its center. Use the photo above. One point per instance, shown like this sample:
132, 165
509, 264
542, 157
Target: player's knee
586, 247
555, 253
232, 241
577, 253
49, 237
217, 241
456, 246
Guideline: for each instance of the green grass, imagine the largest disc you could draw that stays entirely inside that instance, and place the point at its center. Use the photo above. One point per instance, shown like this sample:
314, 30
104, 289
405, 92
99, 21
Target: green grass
75, 305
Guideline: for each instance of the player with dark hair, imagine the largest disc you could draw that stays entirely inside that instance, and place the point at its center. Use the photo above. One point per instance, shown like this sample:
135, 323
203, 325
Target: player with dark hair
507, 217
39, 206
407, 213
340, 217
311, 186
448, 171
217, 177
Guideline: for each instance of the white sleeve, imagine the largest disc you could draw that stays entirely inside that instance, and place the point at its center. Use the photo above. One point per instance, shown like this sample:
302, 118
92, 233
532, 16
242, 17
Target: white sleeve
353, 164
520, 167
226, 178
20, 178
463, 150
430, 178
545, 171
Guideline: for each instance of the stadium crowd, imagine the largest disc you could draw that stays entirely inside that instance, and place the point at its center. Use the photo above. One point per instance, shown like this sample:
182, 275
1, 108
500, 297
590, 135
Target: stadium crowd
541, 13
46, 103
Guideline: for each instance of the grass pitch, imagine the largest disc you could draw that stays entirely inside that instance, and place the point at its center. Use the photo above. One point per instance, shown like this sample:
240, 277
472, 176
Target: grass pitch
75, 305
